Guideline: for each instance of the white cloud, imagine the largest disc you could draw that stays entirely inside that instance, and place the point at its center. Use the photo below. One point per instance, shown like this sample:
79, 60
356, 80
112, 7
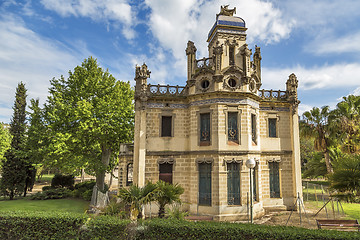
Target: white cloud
323, 77
356, 92
334, 44
98, 10
303, 108
30, 58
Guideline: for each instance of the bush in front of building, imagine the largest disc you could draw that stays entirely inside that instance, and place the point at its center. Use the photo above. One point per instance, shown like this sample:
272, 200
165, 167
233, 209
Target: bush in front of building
175, 229
63, 181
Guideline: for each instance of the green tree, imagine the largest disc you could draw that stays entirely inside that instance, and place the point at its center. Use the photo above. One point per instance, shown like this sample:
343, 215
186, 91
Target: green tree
315, 125
88, 115
347, 121
346, 176
167, 194
5, 140
14, 166
137, 197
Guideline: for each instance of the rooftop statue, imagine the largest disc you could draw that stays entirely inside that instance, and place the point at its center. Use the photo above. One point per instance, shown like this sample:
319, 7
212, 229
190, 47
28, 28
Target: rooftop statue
227, 12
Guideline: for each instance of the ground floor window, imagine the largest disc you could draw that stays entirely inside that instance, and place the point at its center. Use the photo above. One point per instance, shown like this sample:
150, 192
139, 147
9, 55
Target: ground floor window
129, 174
165, 172
274, 180
233, 183
205, 184
254, 183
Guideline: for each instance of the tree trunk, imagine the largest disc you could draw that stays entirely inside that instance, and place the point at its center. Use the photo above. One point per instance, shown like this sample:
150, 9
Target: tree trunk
100, 175
161, 211
329, 167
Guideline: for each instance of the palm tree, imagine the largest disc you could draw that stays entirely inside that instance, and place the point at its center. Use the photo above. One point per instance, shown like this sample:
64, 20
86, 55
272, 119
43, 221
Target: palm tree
347, 120
315, 125
137, 197
346, 177
167, 194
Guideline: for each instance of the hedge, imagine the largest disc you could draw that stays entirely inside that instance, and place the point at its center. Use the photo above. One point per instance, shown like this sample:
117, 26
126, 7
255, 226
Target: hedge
176, 229
57, 225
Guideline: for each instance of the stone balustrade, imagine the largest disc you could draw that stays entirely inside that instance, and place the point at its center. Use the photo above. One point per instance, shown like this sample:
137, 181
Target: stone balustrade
166, 90
273, 95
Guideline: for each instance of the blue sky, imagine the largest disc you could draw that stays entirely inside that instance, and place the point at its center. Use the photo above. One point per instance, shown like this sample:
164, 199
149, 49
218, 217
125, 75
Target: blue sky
317, 40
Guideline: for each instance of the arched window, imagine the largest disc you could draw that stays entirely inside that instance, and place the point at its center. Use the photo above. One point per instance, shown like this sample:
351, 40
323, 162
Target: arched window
129, 174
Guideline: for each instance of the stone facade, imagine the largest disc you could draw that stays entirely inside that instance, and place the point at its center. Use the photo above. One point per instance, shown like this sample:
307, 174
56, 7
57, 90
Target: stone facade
206, 130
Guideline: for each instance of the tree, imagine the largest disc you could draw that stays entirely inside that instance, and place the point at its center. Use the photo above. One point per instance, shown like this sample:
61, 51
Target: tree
347, 120
315, 125
167, 194
88, 115
14, 167
137, 197
5, 140
346, 177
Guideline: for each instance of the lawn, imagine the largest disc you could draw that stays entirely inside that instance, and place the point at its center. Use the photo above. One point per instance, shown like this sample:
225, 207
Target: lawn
59, 205
352, 210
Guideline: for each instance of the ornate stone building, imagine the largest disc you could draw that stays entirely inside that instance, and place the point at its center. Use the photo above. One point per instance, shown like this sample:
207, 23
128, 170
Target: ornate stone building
201, 134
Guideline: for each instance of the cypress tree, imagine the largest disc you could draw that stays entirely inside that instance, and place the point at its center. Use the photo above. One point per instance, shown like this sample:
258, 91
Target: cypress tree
14, 169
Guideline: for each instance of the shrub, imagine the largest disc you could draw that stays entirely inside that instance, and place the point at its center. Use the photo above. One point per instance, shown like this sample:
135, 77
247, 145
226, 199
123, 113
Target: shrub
176, 229
63, 181
116, 208
45, 188
84, 190
87, 195
56, 193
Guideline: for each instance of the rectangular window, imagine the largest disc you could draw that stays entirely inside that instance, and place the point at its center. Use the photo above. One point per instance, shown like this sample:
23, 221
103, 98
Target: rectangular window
165, 172
254, 182
205, 132
233, 130
205, 184
274, 180
253, 128
272, 127
129, 174
231, 55
233, 183
166, 126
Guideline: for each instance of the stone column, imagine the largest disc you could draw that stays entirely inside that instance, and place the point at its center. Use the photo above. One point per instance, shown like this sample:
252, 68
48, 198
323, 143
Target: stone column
291, 89
191, 59
141, 75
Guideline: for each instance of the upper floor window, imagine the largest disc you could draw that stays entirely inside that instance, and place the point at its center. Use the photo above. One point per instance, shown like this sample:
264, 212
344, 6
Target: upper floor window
205, 130
231, 55
272, 127
253, 128
166, 126
233, 129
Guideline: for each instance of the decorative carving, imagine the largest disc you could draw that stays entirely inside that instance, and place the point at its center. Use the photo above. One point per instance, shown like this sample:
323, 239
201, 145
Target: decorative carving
231, 82
166, 90
203, 84
291, 89
142, 72
274, 159
252, 86
232, 160
232, 43
204, 160
224, 10
218, 78
166, 160
190, 49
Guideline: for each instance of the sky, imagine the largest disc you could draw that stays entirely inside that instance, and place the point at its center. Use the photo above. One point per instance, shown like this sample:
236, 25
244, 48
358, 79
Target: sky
318, 40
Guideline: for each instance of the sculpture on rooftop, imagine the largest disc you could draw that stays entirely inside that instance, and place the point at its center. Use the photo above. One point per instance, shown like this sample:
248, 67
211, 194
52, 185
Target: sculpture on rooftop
227, 12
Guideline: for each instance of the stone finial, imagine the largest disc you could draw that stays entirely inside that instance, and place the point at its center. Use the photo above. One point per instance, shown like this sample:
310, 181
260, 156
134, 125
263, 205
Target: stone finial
224, 10
190, 49
142, 72
292, 84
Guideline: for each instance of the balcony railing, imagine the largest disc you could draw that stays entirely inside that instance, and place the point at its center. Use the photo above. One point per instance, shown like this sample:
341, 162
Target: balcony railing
273, 94
166, 90
204, 62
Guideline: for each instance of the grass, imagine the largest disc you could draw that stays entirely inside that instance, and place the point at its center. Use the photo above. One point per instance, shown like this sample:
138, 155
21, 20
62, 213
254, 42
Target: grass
352, 210
58, 205
47, 178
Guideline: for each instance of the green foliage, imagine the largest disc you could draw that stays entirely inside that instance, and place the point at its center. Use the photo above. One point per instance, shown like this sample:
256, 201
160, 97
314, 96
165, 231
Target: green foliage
175, 229
5, 140
88, 116
63, 181
40, 225
136, 197
15, 166
56, 193
105, 227
176, 213
315, 167
116, 208
346, 177
167, 193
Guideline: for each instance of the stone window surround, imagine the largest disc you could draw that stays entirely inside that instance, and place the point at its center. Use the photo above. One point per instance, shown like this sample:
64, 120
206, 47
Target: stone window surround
239, 111
167, 113
207, 160
278, 160
201, 111
256, 113
272, 115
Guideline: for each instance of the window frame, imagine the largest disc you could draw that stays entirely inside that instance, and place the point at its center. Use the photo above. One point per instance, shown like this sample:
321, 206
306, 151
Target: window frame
231, 180
167, 113
128, 182
199, 113
208, 165
253, 122
271, 186
171, 174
